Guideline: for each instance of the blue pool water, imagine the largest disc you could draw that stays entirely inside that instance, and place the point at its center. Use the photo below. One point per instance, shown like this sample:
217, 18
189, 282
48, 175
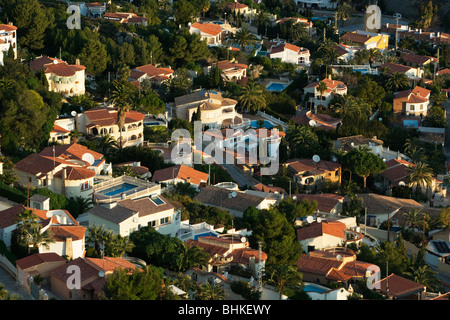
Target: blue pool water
411, 123
262, 53
277, 87
206, 234
363, 71
313, 288
267, 124
118, 189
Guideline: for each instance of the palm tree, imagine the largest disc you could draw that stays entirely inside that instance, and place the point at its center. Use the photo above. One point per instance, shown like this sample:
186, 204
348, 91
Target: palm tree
423, 274
189, 257
438, 97
284, 275
9, 177
397, 81
297, 31
252, 98
96, 235
412, 218
360, 109
212, 292
106, 142
322, 87
120, 97
83, 204
116, 245
244, 39
373, 54
420, 175
34, 237
344, 11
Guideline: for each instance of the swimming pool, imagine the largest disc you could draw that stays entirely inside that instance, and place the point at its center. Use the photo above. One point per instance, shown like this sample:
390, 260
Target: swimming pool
267, 124
310, 287
206, 234
411, 123
276, 86
118, 189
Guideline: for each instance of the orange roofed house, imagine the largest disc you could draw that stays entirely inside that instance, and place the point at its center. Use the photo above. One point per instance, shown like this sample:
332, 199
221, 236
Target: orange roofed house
68, 235
413, 102
93, 272
288, 53
333, 265
150, 73
64, 169
104, 120
8, 39
315, 97
326, 234
309, 173
180, 173
232, 71
61, 76
210, 32
229, 250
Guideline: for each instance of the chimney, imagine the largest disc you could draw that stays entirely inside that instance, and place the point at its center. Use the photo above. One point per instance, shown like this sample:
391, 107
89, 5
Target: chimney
387, 25
69, 248
77, 62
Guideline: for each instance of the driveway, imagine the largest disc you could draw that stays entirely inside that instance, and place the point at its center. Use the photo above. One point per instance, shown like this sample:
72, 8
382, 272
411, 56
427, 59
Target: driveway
10, 284
239, 176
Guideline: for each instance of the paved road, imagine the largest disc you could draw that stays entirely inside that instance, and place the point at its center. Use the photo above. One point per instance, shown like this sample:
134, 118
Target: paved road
10, 284
239, 176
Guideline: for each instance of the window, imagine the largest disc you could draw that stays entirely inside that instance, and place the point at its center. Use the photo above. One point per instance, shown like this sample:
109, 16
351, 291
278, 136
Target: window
164, 220
85, 186
152, 223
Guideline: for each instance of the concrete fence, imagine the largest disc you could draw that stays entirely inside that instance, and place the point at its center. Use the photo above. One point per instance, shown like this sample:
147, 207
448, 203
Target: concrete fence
8, 266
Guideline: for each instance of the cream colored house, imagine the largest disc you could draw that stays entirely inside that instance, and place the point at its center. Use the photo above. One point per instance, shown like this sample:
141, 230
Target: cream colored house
61, 77
126, 216
215, 110
288, 53
8, 38
100, 121
64, 169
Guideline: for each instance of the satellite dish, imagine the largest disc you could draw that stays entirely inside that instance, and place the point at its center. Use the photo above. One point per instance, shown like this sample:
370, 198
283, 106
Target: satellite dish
101, 274
397, 15
89, 158
74, 113
312, 123
401, 184
334, 159
309, 219
339, 257
243, 239
319, 220
294, 198
316, 158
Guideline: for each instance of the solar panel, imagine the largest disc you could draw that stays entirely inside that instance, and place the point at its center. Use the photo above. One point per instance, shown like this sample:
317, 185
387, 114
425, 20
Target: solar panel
157, 201
441, 246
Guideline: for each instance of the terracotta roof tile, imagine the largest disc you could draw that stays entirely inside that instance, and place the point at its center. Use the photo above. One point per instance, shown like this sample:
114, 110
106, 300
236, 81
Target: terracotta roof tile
329, 227
399, 286
39, 258
180, 172
208, 28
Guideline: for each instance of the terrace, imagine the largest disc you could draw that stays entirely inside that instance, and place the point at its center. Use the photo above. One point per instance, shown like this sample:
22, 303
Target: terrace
124, 187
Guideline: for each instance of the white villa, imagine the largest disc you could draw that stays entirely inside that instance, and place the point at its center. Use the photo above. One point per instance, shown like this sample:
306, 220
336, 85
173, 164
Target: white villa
210, 32
215, 110
69, 236
100, 121
125, 216
8, 38
288, 53
61, 77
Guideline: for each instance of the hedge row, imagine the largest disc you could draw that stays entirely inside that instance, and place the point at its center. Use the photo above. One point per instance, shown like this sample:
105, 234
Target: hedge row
12, 193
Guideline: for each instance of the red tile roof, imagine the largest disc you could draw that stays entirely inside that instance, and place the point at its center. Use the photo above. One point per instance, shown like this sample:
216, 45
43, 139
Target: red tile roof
59, 129
326, 201
329, 227
180, 172
236, 5
8, 216
355, 37
76, 173
101, 116
7, 27
37, 259
399, 286
395, 67
73, 151
415, 58
208, 28
309, 164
